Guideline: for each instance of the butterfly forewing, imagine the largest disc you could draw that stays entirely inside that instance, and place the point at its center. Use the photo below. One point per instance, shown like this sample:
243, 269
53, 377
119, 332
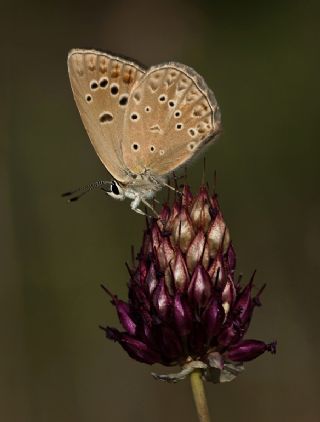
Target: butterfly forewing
101, 84
171, 114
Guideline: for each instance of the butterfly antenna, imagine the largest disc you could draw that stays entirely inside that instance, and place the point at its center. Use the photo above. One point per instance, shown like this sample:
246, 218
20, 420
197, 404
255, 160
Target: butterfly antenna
78, 193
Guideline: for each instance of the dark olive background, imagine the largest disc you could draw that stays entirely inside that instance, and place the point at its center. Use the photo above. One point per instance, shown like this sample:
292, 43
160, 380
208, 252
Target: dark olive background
262, 61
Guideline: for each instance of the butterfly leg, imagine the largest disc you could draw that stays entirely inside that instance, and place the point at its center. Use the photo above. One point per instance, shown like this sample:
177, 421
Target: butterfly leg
172, 188
134, 206
162, 183
150, 207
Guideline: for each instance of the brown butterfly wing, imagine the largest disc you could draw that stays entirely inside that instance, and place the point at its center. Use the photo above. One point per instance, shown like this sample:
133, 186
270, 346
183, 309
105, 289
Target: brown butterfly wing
101, 84
171, 114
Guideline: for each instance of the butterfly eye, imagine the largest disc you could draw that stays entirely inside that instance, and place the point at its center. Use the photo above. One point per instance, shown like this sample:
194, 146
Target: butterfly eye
114, 188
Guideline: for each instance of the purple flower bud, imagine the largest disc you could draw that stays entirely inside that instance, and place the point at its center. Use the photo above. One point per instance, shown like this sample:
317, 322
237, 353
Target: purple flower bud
218, 233
180, 273
231, 258
151, 279
244, 306
230, 334
216, 271
249, 349
135, 348
182, 315
175, 212
213, 318
161, 300
126, 321
200, 288
195, 251
164, 215
165, 253
168, 279
124, 311
183, 231
142, 271
200, 214
187, 197
228, 295
138, 297
206, 256
155, 236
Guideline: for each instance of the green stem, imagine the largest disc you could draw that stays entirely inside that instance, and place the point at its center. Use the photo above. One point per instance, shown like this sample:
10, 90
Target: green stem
199, 396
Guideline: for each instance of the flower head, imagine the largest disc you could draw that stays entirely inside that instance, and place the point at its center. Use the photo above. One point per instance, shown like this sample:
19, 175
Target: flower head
185, 307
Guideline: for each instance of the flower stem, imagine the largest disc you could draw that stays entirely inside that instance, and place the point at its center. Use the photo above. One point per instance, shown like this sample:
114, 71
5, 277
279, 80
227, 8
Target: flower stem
199, 396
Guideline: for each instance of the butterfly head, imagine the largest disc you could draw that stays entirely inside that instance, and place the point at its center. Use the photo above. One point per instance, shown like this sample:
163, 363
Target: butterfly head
116, 190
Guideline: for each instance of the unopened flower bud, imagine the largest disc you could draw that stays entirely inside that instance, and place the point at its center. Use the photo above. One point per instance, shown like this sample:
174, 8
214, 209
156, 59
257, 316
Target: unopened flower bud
184, 306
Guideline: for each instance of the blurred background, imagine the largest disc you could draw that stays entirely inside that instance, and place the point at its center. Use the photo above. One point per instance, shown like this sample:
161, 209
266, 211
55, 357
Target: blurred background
262, 61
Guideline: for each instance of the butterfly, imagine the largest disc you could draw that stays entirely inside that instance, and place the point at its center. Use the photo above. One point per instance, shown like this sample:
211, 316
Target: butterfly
143, 123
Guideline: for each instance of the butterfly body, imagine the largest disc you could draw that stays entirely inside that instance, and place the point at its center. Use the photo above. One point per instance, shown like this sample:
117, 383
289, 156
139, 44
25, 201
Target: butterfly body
139, 188
143, 123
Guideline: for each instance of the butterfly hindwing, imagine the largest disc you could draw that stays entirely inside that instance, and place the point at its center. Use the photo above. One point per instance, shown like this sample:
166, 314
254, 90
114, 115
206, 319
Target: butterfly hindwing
171, 114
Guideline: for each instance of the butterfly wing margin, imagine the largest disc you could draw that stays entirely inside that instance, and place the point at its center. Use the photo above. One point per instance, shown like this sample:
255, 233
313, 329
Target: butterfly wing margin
171, 115
101, 84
